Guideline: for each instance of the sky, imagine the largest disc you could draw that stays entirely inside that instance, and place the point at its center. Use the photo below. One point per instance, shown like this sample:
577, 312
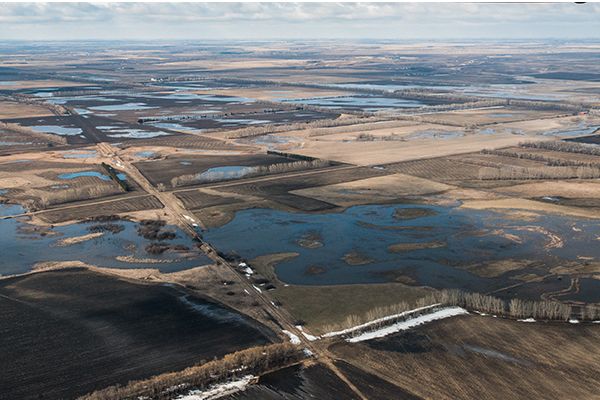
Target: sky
274, 21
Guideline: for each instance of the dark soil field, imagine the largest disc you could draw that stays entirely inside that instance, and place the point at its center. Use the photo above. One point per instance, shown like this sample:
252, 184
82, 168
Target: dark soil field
186, 142
278, 189
39, 165
373, 387
273, 189
591, 139
162, 171
473, 357
442, 169
83, 210
196, 199
284, 185
13, 142
297, 383
66, 333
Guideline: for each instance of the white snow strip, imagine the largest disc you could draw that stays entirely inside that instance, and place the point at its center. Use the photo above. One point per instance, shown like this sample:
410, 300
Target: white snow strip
220, 390
293, 338
307, 335
257, 289
409, 323
189, 218
377, 321
573, 321
246, 290
526, 320
310, 337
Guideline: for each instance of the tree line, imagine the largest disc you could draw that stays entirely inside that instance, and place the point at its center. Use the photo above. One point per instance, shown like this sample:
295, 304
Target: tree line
511, 172
567, 147
477, 302
46, 199
254, 361
548, 160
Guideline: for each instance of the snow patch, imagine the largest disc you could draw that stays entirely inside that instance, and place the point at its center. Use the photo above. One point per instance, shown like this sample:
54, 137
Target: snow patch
409, 323
310, 337
189, 218
293, 338
220, 390
526, 320
378, 321
307, 335
573, 321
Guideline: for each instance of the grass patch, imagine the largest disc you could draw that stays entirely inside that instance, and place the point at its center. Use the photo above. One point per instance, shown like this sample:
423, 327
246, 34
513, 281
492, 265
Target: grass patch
320, 306
402, 247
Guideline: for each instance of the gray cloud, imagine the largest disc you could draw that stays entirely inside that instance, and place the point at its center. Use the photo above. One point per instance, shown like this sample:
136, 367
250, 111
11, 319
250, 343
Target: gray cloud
401, 19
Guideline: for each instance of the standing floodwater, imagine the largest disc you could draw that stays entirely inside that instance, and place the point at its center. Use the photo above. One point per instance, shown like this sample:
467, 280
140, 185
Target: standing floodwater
443, 247
118, 244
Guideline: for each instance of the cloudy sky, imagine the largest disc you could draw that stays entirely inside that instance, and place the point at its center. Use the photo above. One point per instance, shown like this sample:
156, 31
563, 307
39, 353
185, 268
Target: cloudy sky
60, 21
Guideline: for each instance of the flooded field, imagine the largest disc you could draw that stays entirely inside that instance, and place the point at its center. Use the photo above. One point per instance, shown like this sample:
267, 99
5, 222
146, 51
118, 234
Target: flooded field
115, 244
442, 247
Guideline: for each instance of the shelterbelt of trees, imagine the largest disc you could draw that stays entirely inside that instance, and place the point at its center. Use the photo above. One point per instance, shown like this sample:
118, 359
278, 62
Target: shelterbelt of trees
253, 361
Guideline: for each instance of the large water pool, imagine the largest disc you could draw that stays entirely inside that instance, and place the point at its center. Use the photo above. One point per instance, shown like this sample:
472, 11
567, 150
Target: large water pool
23, 246
435, 246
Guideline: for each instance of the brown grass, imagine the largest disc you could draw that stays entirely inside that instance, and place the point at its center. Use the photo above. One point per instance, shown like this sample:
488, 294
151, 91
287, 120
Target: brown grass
11, 109
322, 307
473, 357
